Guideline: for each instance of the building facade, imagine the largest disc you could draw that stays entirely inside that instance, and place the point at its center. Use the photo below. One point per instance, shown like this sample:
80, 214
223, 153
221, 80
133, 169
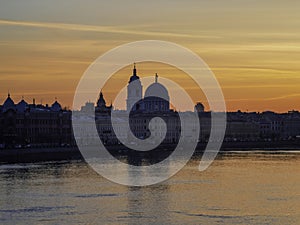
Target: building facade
33, 124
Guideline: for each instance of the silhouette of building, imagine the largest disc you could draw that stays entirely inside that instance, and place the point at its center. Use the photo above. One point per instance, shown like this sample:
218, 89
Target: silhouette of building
156, 103
134, 91
199, 107
25, 124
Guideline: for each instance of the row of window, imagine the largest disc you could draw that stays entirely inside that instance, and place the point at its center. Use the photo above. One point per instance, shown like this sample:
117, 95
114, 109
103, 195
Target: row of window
31, 131
41, 122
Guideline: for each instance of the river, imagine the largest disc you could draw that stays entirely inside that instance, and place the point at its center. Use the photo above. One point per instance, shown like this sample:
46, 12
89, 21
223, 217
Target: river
238, 188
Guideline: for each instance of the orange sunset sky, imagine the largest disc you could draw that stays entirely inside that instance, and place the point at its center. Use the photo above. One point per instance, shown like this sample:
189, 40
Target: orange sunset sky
252, 46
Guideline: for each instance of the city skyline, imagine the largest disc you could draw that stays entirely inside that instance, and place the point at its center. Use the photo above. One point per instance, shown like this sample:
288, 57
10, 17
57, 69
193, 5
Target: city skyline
122, 105
149, 112
34, 101
253, 52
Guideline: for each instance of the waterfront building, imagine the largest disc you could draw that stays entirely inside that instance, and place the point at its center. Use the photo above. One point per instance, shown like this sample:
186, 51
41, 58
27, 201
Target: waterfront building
31, 124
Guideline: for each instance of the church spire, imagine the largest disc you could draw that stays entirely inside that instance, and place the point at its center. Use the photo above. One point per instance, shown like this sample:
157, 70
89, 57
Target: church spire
134, 69
101, 101
134, 74
156, 78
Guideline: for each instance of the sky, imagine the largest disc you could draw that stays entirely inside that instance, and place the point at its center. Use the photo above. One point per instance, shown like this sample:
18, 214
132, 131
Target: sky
252, 46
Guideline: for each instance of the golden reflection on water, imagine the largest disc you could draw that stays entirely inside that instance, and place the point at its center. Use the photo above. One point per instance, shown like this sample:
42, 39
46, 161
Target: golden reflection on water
241, 188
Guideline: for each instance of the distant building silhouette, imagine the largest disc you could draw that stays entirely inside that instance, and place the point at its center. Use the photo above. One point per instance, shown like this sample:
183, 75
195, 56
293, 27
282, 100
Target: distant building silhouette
25, 123
199, 107
134, 91
34, 124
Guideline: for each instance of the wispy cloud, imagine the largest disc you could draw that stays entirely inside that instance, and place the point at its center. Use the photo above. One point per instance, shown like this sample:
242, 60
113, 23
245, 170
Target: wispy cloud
103, 29
255, 69
255, 99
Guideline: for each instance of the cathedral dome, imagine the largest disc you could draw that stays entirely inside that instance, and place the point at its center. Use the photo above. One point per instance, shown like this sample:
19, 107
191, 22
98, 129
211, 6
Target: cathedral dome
156, 98
157, 90
8, 104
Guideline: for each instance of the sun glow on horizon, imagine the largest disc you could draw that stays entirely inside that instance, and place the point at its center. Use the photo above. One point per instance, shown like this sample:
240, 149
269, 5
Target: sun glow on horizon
253, 49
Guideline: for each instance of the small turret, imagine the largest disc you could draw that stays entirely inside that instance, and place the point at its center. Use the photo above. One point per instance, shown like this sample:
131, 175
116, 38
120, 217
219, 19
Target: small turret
8, 103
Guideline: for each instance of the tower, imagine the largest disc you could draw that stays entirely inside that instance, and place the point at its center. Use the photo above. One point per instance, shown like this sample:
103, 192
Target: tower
101, 101
134, 91
101, 104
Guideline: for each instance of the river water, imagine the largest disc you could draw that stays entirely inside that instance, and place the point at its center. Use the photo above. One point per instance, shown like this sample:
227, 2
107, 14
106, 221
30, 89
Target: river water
238, 188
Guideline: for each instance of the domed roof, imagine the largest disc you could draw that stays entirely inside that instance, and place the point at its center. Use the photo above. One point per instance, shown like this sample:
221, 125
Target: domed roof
21, 106
199, 104
8, 104
157, 90
133, 78
199, 107
134, 75
56, 106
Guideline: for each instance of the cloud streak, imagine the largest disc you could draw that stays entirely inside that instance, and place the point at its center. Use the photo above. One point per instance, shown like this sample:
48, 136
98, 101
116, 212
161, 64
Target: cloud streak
102, 29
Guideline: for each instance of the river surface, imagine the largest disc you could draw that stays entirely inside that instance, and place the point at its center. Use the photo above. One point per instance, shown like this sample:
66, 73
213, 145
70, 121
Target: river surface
238, 188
